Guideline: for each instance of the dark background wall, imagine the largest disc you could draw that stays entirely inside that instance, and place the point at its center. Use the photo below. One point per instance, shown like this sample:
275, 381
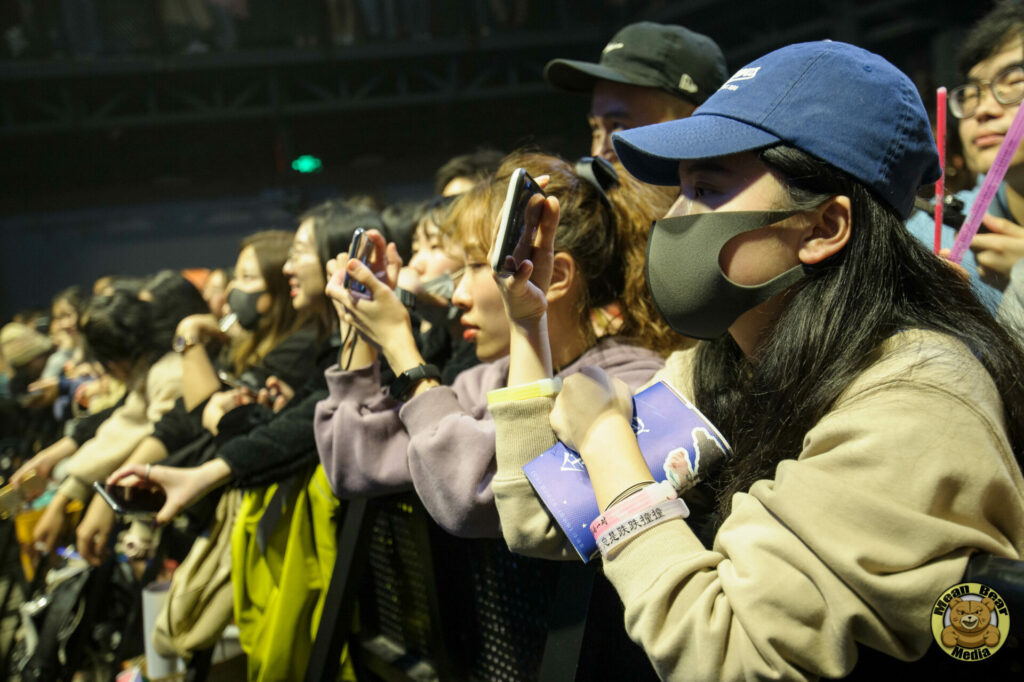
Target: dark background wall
142, 157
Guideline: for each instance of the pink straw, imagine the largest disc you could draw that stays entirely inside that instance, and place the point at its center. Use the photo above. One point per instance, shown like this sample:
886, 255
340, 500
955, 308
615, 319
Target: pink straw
988, 189
940, 142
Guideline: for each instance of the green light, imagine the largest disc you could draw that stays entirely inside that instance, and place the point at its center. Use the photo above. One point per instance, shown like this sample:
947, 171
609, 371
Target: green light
307, 164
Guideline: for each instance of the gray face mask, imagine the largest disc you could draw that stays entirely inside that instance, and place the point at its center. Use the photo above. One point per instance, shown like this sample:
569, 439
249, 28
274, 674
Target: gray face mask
243, 305
439, 315
685, 280
442, 286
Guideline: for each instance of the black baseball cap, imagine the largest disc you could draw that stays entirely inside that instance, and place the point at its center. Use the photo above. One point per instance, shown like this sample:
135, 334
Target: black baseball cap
671, 58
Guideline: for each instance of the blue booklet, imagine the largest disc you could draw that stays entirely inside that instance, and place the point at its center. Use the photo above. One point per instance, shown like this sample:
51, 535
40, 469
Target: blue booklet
666, 425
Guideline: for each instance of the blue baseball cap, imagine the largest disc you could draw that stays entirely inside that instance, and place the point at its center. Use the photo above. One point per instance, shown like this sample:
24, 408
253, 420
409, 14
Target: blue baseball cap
835, 101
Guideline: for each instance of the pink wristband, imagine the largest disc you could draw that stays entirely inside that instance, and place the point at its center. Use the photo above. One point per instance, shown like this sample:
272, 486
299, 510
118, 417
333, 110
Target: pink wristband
614, 538
644, 499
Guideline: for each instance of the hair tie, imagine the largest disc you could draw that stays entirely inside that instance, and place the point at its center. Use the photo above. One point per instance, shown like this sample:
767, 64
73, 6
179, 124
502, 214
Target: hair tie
600, 173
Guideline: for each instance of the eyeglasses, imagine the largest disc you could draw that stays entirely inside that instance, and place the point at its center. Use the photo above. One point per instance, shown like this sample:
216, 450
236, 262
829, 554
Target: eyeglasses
1007, 87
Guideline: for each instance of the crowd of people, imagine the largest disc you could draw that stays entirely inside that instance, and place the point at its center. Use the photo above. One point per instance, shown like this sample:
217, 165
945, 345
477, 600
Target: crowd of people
755, 240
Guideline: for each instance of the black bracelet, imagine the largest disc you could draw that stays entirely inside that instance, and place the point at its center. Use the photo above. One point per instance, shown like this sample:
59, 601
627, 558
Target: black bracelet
631, 490
407, 298
408, 379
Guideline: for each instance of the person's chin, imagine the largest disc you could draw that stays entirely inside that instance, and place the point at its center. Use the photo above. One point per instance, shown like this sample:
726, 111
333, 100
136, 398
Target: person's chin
489, 352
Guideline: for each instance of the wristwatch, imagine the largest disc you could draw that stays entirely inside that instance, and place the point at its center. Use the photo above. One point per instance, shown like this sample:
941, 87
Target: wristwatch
182, 342
407, 298
408, 379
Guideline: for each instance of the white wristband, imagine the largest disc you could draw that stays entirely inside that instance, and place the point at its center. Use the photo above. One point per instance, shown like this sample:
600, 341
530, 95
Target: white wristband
614, 538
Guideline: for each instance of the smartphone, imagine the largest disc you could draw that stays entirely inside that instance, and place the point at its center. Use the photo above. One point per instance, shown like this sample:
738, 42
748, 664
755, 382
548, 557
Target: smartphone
360, 249
235, 382
520, 215
227, 322
143, 501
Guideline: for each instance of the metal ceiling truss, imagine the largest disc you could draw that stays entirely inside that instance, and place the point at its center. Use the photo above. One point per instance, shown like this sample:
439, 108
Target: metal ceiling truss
65, 96
190, 90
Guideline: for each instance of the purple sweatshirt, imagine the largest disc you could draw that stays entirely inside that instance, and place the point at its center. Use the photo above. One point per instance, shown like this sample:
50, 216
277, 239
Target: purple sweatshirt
440, 442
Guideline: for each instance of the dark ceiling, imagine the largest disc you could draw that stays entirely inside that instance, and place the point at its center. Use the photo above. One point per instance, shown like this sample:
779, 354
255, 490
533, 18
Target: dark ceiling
144, 122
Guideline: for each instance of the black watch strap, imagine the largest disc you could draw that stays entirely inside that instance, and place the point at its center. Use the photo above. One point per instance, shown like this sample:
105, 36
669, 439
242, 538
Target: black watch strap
407, 298
408, 379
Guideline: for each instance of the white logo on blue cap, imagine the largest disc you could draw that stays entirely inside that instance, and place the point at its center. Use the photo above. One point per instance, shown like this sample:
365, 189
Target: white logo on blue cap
686, 83
741, 75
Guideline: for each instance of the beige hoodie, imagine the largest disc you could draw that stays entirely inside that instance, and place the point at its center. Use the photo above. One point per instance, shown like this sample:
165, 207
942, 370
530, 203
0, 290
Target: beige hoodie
126, 427
909, 474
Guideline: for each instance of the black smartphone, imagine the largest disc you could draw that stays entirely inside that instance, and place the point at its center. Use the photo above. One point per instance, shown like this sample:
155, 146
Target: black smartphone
520, 215
360, 249
236, 382
143, 501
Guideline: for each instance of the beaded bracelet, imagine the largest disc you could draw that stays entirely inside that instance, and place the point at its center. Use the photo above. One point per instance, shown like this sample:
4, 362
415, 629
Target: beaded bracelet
613, 538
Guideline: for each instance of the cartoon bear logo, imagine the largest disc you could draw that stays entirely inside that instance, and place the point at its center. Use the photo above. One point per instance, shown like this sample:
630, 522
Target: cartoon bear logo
970, 624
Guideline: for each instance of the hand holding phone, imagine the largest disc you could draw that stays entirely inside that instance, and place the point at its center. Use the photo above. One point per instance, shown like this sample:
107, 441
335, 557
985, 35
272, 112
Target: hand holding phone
140, 501
520, 215
236, 382
360, 249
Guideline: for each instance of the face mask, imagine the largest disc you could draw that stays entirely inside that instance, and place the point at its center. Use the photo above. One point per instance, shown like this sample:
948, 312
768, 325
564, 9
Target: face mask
438, 315
685, 280
243, 305
442, 286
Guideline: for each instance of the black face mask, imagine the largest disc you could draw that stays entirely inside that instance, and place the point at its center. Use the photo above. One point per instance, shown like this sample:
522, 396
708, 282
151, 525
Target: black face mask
688, 286
243, 305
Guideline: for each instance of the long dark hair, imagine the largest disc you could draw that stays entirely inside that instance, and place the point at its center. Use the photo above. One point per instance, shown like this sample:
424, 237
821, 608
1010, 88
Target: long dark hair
173, 298
882, 282
271, 250
334, 223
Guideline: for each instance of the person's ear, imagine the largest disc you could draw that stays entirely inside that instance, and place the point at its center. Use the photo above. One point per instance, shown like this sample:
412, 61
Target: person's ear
828, 232
563, 276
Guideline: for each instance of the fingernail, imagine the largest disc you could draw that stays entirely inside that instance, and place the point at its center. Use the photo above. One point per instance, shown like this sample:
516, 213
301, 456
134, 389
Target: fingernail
352, 265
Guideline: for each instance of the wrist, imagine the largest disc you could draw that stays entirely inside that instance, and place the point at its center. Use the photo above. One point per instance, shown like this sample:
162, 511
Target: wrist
603, 440
414, 381
187, 339
529, 352
530, 326
403, 356
216, 472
